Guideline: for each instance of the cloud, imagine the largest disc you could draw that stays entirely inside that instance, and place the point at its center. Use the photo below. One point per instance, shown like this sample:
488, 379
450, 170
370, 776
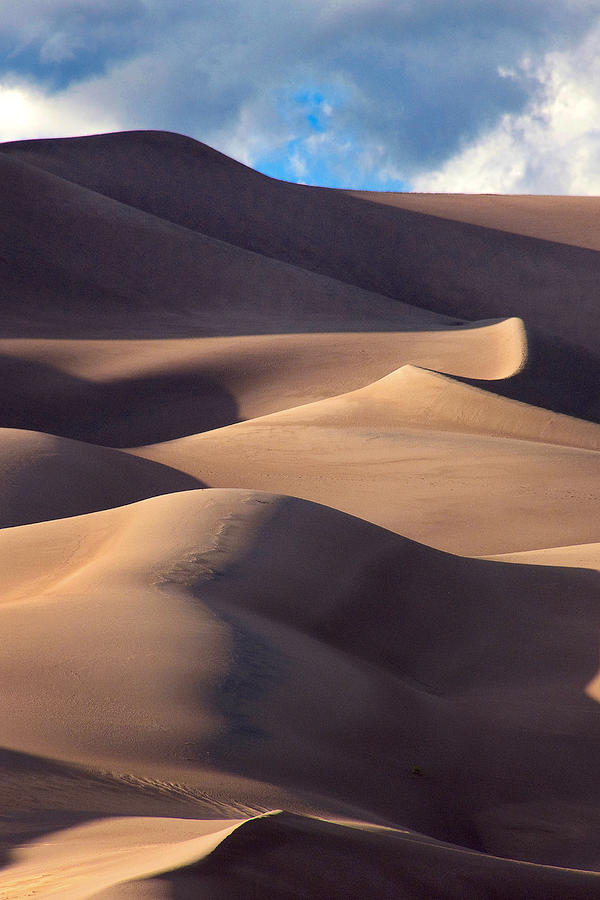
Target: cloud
60, 42
553, 146
362, 93
27, 112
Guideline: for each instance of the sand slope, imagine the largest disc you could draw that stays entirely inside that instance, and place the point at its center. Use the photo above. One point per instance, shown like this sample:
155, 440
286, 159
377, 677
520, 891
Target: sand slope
298, 534
46, 477
299, 857
205, 585
447, 265
92, 267
412, 453
123, 393
566, 220
88, 857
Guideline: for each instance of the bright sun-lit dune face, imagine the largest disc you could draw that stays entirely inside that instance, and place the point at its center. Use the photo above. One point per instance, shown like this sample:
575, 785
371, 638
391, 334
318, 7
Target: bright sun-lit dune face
298, 534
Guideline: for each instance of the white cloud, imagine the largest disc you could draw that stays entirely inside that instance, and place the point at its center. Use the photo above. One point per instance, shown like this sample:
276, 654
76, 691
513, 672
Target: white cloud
298, 165
27, 112
552, 147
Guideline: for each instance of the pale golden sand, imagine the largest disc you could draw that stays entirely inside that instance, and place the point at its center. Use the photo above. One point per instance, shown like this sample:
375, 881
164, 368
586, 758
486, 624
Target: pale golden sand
299, 534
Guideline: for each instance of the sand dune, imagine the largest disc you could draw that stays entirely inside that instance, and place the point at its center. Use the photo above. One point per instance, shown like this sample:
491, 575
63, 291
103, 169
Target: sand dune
93, 267
89, 857
206, 585
411, 453
582, 556
555, 375
565, 220
298, 534
46, 477
123, 393
454, 267
412, 396
299, 857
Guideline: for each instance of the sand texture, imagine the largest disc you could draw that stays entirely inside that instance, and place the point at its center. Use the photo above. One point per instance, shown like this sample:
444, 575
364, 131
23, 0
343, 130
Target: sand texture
299, 534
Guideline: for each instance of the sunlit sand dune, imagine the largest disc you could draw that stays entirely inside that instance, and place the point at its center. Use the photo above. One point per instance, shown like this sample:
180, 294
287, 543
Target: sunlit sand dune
412, 453
123, 393
47, 477
84, 859
249, 608
583, 556
298, 534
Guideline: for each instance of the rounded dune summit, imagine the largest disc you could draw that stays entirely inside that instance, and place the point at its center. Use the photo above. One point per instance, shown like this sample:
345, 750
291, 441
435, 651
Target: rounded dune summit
47, 477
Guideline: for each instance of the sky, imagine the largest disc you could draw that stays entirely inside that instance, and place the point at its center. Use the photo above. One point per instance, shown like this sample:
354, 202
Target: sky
477, 96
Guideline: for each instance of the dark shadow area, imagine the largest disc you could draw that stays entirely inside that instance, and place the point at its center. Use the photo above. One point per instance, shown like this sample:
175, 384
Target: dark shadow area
557, 376
76, 263
124, 413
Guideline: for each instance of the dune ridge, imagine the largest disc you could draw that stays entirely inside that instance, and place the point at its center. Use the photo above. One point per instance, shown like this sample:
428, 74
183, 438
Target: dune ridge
145, 391
298, 534
454, 267
420, 397
410, 453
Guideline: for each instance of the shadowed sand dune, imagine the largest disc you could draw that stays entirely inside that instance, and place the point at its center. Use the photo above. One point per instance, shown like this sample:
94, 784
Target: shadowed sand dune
447, 265
246, 429
94, 267
375, 860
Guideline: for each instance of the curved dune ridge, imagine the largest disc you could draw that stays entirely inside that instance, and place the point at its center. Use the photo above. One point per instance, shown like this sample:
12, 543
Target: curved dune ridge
298, 534
134, 392
412, 452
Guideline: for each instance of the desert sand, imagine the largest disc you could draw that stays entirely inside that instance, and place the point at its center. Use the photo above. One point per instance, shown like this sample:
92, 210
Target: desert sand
299, 534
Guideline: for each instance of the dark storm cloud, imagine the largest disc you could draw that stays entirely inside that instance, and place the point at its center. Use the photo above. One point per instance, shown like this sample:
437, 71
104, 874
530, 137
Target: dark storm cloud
426, 75
59, 42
